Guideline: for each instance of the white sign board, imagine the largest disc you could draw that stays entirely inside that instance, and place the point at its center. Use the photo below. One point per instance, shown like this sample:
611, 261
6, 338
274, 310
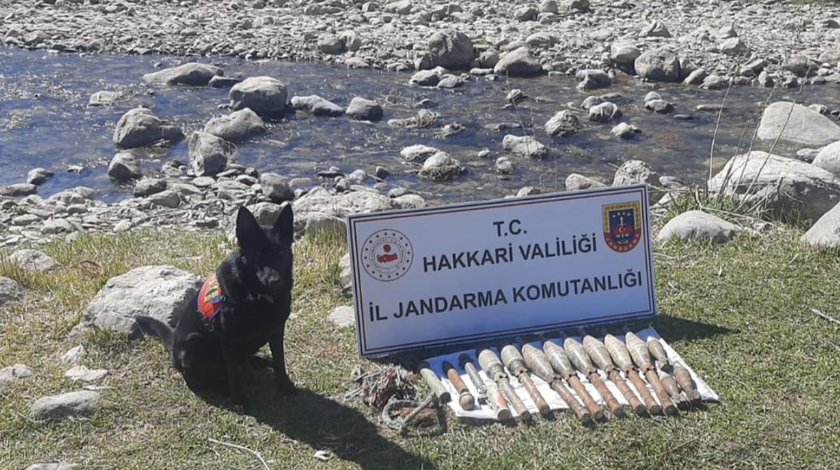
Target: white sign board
470, 272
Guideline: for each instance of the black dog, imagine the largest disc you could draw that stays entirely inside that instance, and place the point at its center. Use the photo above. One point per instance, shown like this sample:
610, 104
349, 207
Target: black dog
240, 308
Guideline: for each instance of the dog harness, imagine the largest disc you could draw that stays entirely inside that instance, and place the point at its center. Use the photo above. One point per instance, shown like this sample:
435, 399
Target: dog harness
210, 298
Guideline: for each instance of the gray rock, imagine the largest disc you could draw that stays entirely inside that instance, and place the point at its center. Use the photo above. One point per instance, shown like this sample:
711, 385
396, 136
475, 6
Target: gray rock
317, 105
400, 7
604, 112
655, 29
525, 13
787, 187
697, 77
139, 128
104, 98
548, 6
593, 79
826, 232
518, 63
319, 200
828, 158
10, 291
168, 198
440, 167
659, 106
38, 176
661, 65
331, 44
51, 466
18, 190
451, 49
276, 187
449, 82
417, 153
576, 182
715, 82
574, 5
364, 110
562, 124
83, 374
351, 41
526, 146
210, 155
148, 186
67, 405
801, 66
187, 74
635, 172
236, 126
14, 373
345, 273
765, 80
124, 167
425, 78
266, 213
624, 53
33, 260
343, 316
223, 82
503, 166
698, 225
733, 46
625, 131
155, 291
265, 96
409, 201
805, 126
808, 155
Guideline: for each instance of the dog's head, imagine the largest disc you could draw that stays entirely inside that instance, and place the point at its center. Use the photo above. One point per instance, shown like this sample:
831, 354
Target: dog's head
267, 252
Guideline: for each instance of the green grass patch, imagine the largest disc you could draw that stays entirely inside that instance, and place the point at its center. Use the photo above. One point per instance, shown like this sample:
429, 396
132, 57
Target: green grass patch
738, 313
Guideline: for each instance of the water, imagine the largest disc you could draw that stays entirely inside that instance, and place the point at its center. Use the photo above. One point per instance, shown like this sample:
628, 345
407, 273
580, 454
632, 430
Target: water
45, 122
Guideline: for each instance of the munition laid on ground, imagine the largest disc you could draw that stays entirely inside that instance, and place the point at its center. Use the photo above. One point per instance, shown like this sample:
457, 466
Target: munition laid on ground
539, 364
498, 403
581, 360
598, 352
665, 370
682, 376
515, 363
465, 398
467, 363
490, 394
433, 382
560, 362
639, 352
494, 369
621, 356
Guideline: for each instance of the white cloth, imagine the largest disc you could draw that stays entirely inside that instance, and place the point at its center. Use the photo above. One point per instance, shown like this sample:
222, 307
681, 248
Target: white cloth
551, 397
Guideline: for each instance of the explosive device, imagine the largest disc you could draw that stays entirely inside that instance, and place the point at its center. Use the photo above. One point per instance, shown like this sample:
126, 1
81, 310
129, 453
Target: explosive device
465, 398
494, 369
581, 360
598, 352
665, 370
683, 377
673, 371
538, 362
621, 356
467, 363
498, 403
515, 363
433, 382
639, 352
560, 362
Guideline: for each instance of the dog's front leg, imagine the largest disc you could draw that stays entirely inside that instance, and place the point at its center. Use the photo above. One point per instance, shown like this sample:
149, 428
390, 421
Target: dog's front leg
285, 386
234, 375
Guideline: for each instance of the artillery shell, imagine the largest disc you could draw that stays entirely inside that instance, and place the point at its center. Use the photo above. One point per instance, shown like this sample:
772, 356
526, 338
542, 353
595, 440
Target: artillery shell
615, 407
651, 405
498, 403
514, 400
661, 395
434, 383
558, 359
671, 388
466, 400
578, 356
658, 352
467, 363
618, 351
599, 354
514, 361
684, 379
537, 361
631, 397
535, 394
638, 351
491, 364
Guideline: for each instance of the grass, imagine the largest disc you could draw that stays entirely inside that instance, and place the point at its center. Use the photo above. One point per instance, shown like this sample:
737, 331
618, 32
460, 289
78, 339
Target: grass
739, 313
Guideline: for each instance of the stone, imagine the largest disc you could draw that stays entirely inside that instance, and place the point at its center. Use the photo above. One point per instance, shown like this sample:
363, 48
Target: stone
223, 82
440, 167
51, 466
698, 225
801, 66
808, 155
345, 273
317, 106
400, 7
826, 232
266, 213
661, 65
425, 78
352, 42
148, 186
450, 82
548, 6
733, 46
562, 124
655, 29
452, 50
503, 166
343, 316
576, 182
236, 126
68, 405
155, 291
625, 131
714, 82
787, 187
38, 176
265, 96
624, 53
104, 98
140, 128
518, 63
10, 291
188, 74
124, 167
417, 153
635, 172
210, 155
14, 373
525, 13
18, 190
659, 106
276, 187
168, 198
331, 44
574, 5
593, 79
33, 260
526, 146
604, 112
364, 110
805, 126
409, 201
339, 206
828, 158
83, 374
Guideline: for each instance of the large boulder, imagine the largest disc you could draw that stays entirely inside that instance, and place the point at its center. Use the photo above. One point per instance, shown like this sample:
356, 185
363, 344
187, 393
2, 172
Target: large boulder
124, 167
526, 146
452, 50
187, 74
788, 187
624, 52
154, 291
698, 225
518, 63
828, 158
660, 65
826, 232
210, 155
805, 126
276, 187
139, 128
33, 260
10, 290
440, 167
364, 109
635, 172
265, 96
563, 124
417, 153
236, 126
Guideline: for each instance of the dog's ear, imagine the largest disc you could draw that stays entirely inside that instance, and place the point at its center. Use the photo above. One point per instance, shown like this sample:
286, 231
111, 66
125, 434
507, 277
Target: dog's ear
249, 234
284, 226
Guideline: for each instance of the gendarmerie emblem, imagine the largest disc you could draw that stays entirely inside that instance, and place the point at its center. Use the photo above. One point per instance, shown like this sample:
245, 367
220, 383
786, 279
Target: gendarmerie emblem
387, 255
622, 225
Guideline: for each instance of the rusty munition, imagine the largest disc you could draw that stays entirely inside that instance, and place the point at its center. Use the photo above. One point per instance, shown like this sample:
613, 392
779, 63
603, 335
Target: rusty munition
639, 352
621, 357
560, 362
494, 369
515, 363
580, 359
598, 352
433, 382
537, 361
467, 363
498, 403
665, 372
684, 379
465, 398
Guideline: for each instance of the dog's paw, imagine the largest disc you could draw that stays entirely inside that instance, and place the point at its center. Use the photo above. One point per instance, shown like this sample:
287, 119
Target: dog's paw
286, 388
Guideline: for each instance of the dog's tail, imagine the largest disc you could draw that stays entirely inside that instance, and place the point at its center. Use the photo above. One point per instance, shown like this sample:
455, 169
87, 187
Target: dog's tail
153, 327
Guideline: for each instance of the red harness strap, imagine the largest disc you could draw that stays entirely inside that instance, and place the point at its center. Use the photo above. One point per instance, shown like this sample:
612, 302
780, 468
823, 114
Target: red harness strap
210, 298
